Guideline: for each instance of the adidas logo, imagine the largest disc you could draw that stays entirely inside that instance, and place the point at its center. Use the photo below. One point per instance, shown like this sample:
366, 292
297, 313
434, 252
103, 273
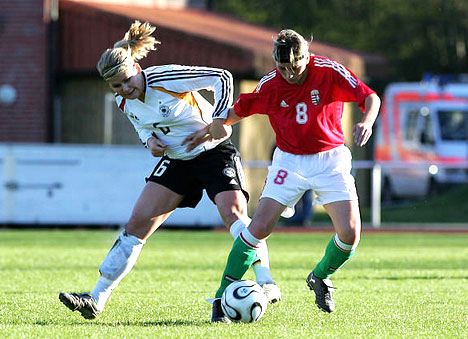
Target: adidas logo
284, 104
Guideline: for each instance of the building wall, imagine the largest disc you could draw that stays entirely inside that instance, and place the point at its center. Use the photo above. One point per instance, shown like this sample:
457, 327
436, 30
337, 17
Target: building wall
85, 32
23, 36
83, 114
84, 102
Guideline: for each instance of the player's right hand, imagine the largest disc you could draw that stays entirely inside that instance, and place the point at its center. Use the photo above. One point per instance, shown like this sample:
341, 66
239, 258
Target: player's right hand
156, 146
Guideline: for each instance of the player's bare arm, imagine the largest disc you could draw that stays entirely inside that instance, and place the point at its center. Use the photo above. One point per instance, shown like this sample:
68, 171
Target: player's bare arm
219, 127
197, 138
362, 131
156, 146
232, 118
220, 130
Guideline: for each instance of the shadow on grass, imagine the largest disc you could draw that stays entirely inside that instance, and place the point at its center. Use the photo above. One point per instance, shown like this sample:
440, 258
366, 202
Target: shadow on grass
129, 323
419, 278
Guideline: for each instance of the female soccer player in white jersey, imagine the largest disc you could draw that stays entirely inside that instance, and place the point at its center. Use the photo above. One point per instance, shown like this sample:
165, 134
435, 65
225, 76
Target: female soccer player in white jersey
165, 108
303, 98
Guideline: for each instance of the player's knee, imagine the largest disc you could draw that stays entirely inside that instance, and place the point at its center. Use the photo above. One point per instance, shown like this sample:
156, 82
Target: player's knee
233, 212
230, 218
350, 235
231, 205
355, 241
355, 229
138, 224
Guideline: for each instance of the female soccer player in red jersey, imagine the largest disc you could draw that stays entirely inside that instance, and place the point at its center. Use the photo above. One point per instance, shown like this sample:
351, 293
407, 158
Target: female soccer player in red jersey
164, 106
303, 98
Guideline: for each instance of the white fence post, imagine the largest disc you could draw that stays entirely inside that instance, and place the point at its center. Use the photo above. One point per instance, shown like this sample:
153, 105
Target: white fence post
376, 195
9, 195
108, 117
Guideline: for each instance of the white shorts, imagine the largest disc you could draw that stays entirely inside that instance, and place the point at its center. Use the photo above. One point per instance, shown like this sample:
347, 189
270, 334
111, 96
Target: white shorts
327, 173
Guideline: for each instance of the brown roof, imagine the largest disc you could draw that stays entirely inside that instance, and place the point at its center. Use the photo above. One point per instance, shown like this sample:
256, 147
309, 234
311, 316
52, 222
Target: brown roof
188, 36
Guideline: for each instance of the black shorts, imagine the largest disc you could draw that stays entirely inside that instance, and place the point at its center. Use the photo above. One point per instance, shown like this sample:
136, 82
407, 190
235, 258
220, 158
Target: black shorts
216, 170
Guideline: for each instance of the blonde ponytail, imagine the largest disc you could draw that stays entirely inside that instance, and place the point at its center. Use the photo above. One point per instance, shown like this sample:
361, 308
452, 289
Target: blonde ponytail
134, 46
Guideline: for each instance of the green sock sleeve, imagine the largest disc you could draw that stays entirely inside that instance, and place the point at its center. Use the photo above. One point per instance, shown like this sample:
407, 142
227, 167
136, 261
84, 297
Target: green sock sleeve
240, 259
332, 261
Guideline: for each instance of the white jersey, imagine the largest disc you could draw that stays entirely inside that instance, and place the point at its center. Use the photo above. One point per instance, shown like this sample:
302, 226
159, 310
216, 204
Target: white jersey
173, 109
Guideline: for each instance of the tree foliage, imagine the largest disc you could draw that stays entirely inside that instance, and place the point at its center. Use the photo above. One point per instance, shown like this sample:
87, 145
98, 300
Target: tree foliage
416, 36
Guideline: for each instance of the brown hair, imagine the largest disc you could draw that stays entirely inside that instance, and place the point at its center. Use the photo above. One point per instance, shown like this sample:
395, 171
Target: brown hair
289, 47
135, 45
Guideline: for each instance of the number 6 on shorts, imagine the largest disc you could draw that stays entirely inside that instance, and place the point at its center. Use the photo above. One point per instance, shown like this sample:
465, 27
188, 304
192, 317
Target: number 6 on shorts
161, 168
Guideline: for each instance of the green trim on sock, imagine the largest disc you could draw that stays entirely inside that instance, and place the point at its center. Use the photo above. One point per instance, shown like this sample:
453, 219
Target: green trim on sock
332, 261
240, 259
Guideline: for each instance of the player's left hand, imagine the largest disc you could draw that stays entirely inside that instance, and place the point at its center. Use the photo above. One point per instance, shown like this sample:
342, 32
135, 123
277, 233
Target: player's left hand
362, 133
218, 129
197, 138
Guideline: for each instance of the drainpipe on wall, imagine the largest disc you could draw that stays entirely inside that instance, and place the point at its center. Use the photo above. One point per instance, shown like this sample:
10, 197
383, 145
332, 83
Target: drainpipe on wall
51, 16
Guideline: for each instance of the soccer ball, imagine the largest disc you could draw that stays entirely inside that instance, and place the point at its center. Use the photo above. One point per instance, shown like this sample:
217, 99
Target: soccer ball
244, 301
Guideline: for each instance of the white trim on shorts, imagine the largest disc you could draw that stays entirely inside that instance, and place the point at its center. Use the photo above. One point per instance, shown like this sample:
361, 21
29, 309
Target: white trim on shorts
327, 173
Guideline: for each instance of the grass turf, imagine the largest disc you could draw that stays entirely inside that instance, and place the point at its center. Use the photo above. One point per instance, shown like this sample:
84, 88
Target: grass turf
396, 286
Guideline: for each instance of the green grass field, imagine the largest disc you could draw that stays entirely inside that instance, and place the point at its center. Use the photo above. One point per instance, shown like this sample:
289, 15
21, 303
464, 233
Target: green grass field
404, 285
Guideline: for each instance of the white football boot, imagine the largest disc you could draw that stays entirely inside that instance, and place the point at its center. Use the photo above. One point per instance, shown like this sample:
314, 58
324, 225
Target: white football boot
272, 292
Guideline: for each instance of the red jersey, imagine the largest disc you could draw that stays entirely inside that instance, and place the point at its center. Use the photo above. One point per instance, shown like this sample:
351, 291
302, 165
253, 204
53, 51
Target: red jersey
306, 118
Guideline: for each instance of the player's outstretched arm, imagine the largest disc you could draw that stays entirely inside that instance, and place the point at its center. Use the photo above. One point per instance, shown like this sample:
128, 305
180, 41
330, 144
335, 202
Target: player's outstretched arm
363, 130
219, 127
232, 118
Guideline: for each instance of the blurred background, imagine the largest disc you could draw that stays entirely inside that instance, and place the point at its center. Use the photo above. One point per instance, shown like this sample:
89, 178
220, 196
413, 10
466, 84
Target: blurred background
69, 157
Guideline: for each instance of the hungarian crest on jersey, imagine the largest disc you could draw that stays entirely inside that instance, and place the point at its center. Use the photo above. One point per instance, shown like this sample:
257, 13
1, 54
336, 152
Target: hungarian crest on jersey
314, 95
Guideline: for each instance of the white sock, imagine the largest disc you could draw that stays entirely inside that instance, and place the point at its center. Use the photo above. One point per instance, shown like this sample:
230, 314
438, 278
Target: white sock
238, 226
102, 292
117, 264
261, 264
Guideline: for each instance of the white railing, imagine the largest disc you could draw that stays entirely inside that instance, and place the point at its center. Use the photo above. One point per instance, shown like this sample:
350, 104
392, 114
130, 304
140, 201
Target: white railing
98, 184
